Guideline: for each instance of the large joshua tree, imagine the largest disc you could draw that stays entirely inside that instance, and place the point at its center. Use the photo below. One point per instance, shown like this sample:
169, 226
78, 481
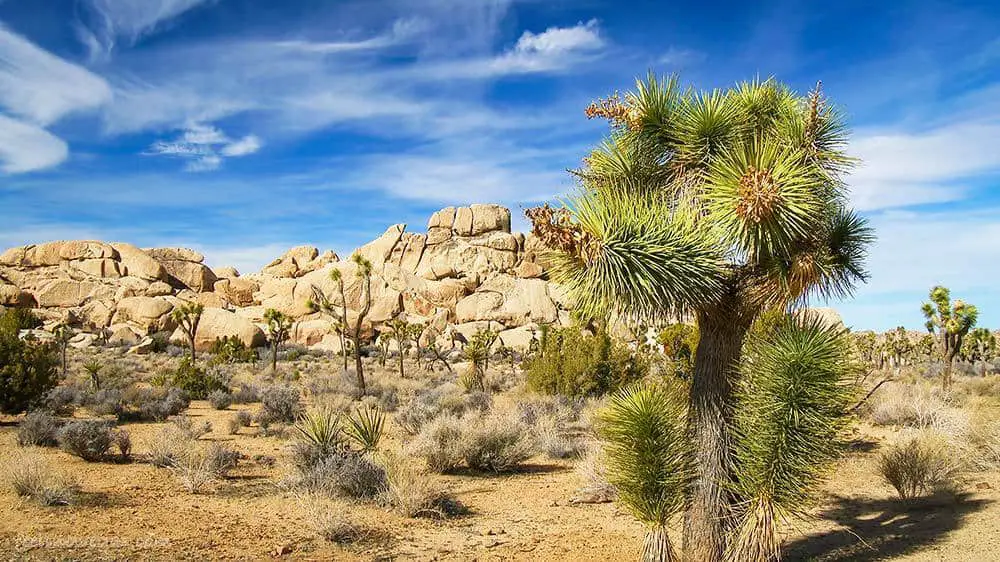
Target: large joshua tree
338, 313
187, 316
720, 205
952, 321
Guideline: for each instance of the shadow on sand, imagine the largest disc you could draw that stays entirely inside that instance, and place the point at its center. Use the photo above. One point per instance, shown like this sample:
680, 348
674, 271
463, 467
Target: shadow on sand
880, 529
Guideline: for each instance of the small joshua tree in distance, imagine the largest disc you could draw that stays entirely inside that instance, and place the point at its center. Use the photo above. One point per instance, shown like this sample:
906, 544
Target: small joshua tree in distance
320, 302
63, 334
951, 321
364, 273
278, 327
187, 316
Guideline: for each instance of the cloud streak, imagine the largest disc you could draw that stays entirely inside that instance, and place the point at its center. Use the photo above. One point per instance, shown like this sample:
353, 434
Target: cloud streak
204, 147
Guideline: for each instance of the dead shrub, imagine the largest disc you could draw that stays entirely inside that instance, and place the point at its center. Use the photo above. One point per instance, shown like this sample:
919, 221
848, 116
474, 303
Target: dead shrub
920, 465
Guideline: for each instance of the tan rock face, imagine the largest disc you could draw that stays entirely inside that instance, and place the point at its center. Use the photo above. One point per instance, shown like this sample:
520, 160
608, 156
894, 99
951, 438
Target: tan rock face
96, 267
159, 289
379, 250
11, 295
299, 261
66, 293
226, 272
195, 276
137, 263
239, 292
510, 301
85, 250
489, 218
218, 323
175, 254
148, 314
463, 221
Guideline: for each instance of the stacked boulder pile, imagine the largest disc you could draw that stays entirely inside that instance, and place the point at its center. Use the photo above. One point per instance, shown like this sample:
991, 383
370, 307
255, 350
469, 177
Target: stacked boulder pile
467, 272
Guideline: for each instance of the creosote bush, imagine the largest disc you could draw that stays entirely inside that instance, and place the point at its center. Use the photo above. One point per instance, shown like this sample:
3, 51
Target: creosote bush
220, 399
497, 441
194, 380
572, 363
279, 404
412, 492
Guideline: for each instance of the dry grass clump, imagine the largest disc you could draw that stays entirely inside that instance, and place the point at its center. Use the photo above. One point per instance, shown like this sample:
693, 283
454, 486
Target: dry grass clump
412, 492
922, 464
192, 429
168, 446
551, 417
31, 476
988, 386
447, 398
241, 418
919, 406
593, 474
200, 467
328, 518
440, 443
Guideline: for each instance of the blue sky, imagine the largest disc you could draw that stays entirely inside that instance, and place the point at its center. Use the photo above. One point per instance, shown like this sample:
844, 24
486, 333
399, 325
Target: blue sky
244, 127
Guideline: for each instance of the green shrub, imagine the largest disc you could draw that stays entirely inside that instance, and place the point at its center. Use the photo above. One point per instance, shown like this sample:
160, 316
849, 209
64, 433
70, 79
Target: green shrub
679, 343
921, 465
229, 350
24, 318
194, 380
28, 369
572, 363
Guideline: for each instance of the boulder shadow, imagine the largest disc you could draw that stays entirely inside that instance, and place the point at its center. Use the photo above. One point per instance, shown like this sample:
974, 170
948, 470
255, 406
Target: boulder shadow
881, 529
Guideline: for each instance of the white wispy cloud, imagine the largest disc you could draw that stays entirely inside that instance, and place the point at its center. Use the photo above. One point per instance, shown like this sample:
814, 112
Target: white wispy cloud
128, 20
25, 147
204, 146
901, 168
41, 87
402, 30
37, 89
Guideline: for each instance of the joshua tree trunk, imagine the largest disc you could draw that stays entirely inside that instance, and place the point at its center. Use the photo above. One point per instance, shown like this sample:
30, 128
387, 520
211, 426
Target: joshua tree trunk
656, 547
343, 321
191, 345
358, 366
274, 356
722, 329
401, 374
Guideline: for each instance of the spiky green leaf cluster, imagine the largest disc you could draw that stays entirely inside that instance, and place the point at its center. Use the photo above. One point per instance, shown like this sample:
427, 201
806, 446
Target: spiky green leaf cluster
647, 450
793, 396
694, 193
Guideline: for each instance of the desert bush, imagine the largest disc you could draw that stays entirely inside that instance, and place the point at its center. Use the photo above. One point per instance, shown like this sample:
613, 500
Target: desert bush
38, 428
982, 386
498, 442
242, 418
592, 472
278, 404
920, 465
28, 369
342, 473
230, 350
429, 404
168, 445
440, 443
64, 398
192, 429
194, 380
572, 363
328, 518
21, 318
553, 439
919, 406
31, 476
220, 399
141, 403
246, 394
412, 492
123, 442
87, 439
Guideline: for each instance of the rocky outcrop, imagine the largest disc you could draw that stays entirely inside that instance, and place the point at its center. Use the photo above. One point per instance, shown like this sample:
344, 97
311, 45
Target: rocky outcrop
466, 272
218, 323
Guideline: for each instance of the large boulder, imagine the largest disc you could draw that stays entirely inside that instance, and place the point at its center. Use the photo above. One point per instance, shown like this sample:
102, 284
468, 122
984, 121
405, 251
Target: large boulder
54, 253
510, 301
379, 250
67, 293
175, 254
237, 291
149, 314
190, 275
489, 218
138, 263
218, 323
11, 295
94, 267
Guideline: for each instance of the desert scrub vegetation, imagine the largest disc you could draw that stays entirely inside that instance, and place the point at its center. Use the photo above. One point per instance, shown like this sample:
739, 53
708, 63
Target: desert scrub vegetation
220, 399
88, 439
413, 492
494, 441
28, 368
570, 362
38, 428
31, 476
279, 404
195, 381
447, 398
921, 464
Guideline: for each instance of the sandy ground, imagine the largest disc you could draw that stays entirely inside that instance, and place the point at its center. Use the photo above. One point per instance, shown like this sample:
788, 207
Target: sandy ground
139, 512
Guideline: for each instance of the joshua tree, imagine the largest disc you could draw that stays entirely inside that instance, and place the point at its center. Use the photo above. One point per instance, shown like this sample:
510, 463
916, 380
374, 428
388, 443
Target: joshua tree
476, 353
63, 333
322, 303
399, 332
897, 347
484, 340
364, 273
93, 368
278, 328
721, 205
187, 316
951, 321
980, 346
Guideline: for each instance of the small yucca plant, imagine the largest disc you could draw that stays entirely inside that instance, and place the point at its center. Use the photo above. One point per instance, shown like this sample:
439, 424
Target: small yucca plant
793, 395
321, 427
648, 459
366, 427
